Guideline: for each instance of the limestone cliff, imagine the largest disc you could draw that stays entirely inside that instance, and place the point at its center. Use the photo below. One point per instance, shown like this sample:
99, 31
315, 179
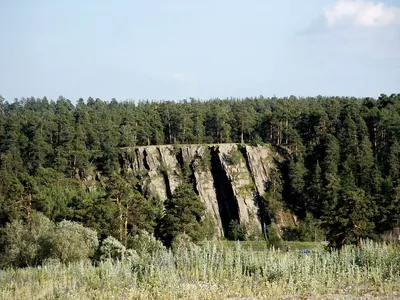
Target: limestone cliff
229, 178
170, 167
234, 165
261, 160
198, 157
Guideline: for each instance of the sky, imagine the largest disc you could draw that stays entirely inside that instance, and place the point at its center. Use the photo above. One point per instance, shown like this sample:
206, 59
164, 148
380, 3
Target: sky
177, 49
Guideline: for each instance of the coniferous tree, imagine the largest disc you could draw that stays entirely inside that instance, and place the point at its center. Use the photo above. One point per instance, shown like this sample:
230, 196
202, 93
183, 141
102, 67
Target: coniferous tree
184, 213
70, 152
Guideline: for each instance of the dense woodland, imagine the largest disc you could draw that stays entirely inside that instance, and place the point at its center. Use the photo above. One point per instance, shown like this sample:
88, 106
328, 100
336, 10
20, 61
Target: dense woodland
342, 172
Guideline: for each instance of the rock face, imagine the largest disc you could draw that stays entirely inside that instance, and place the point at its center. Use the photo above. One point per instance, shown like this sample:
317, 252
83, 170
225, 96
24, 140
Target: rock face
170, 167
260, 164
228, 178
234, 165
198, 157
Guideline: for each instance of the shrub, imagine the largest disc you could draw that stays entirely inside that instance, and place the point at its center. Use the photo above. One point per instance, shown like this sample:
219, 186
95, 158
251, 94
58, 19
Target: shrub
234, 157
74, 242
253, 232
237, 231
208, 227
112, 249
145, 243
273, 237
203, 160
256, 140
23, 247
182, 241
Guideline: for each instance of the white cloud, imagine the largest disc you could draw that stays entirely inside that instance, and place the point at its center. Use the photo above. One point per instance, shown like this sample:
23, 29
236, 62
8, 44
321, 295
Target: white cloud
362, 13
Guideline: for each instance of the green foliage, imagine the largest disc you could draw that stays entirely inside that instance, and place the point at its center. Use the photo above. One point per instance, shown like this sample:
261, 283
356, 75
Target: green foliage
112, 249
182, 242
74, 242
309, 231
21, 246
33, 243
271, 202
273, 237
64, 160
234, 157
208, 227
145, 243
353, 219
237, 231
218, 271
184, 213
203, 161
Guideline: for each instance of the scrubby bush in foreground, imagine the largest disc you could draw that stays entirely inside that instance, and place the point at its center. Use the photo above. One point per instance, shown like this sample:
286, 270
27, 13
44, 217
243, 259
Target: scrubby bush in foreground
74, 242
112, 249
145, 243
22, 246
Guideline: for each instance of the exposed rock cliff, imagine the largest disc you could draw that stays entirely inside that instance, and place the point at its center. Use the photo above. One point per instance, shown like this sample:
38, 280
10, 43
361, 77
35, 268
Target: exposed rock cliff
261, 160
170, 168
198, 157
239, 177
228, 178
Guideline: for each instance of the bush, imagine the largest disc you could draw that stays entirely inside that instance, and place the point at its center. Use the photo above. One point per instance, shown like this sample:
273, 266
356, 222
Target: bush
184, 213
256, 140
68, 241
208, 227
22, 247
112, 249
273, 237
74, 242
308, 231
145, 244
237, 231
203, 160
182, 241
234, 157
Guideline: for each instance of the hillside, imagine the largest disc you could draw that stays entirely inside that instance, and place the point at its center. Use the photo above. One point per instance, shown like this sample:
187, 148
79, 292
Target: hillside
324, 167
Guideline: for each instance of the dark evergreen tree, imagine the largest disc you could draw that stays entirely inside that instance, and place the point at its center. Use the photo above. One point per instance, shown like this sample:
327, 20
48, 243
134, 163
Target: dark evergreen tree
184, 213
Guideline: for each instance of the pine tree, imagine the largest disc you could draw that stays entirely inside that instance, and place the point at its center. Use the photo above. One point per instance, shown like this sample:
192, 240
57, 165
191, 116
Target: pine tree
352, 222
184, 213
297, 173
315, 191
394, 162
330, 176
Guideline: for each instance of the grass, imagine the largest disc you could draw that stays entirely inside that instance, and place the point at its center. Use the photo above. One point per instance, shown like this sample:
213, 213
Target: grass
216, 271
263, 246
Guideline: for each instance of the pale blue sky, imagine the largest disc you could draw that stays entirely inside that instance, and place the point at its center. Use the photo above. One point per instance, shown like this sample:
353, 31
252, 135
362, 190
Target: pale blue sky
176, 49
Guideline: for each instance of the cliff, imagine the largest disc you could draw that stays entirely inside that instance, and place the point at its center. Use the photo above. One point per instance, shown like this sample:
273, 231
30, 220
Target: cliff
229, 178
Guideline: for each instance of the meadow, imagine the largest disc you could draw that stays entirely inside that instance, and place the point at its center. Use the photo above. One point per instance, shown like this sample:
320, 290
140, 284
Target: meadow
217, 271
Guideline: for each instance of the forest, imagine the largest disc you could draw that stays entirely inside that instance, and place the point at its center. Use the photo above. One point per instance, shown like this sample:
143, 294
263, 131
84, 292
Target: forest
341, 175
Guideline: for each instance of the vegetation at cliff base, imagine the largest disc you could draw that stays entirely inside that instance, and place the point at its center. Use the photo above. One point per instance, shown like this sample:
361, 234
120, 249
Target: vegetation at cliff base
213, 271
341, 165
76, 200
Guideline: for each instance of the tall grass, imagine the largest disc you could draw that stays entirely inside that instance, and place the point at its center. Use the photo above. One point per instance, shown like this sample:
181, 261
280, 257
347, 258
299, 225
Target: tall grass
214, 271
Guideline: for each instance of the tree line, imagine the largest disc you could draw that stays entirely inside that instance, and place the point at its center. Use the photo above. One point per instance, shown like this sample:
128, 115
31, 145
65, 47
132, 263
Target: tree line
343, 167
